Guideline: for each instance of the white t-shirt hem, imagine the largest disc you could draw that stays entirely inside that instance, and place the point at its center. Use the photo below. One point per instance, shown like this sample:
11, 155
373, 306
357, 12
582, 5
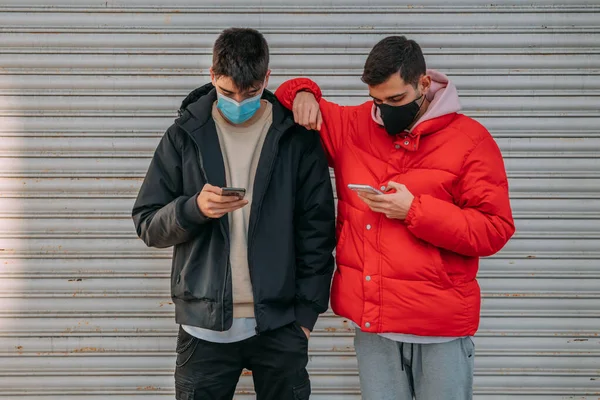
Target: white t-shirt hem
241, 329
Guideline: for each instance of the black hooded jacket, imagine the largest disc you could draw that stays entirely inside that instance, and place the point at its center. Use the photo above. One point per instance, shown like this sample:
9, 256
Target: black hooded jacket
291, 229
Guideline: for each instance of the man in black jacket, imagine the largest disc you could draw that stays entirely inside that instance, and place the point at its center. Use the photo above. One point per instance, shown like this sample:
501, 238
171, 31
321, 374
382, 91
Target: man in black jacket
250, 273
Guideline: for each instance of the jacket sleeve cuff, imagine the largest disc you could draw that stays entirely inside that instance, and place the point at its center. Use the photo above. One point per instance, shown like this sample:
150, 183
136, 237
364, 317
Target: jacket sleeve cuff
190, 215
412, 211
286, 93
307, 85
306, 316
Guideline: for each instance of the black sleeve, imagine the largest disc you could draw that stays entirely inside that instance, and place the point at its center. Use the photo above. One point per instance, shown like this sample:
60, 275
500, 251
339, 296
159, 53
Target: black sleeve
162, 215
315, 235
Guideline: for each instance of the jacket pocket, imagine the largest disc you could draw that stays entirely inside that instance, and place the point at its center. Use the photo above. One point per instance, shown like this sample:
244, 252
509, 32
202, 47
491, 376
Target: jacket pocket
196, 272
184, 394
296, 325
438, 263
302, 391
345, 252
342, 232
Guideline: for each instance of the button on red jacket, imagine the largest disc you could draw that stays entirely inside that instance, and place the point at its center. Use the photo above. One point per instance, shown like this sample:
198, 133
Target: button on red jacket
416, 276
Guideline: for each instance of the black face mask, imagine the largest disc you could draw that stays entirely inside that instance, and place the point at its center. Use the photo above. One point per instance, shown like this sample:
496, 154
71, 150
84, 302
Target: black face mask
397, 118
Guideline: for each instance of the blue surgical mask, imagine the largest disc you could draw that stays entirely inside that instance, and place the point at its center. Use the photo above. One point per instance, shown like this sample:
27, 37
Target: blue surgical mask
238, 113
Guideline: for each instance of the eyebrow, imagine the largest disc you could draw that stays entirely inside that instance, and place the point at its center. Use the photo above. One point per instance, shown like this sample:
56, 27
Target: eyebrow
252, 90
390, 97
225, 90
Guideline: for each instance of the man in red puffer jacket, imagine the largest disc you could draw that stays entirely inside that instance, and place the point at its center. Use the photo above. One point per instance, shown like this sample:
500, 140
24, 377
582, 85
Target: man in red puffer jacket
408, 258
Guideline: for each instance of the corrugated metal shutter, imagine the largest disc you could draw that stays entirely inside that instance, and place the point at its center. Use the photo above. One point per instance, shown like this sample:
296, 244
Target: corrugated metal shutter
88, 86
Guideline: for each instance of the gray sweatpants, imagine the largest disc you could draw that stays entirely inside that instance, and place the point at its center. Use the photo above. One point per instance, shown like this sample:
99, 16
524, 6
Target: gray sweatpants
392, 370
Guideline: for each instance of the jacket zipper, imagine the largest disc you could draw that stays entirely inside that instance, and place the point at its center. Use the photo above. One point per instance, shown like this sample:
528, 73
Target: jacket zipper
205, 177
259, 208
255, 219
223, 293
251, 239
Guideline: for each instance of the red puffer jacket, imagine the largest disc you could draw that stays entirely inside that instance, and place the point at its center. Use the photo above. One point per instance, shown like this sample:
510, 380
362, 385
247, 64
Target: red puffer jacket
416, 276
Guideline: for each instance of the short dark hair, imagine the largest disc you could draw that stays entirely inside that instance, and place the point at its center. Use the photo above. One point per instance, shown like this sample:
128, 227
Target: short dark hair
241, 54
392, 55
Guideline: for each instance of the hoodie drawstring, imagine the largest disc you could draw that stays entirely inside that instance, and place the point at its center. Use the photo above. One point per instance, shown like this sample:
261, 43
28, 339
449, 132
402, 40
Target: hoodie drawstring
412, 354
402, 355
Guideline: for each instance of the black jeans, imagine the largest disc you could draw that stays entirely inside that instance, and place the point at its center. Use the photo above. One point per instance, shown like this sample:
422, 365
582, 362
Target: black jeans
277, 359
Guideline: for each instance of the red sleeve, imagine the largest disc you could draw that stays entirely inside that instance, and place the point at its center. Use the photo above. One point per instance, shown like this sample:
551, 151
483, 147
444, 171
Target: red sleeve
286, 93
337, 120
481, 223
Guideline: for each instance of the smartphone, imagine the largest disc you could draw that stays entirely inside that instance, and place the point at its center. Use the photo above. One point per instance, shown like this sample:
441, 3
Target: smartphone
232, 191
364, 188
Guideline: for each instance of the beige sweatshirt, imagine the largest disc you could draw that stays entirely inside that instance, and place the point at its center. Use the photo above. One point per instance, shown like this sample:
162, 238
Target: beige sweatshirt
241, 148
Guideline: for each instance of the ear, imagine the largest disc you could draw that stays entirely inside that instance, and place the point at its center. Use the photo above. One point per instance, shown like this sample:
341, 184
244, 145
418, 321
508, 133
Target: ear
425, 84
267, 78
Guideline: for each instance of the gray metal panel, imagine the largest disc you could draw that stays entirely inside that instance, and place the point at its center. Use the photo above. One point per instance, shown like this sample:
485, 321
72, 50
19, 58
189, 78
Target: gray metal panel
88, 86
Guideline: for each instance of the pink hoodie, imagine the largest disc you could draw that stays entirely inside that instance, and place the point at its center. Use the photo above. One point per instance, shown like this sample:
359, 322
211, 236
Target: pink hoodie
442, 95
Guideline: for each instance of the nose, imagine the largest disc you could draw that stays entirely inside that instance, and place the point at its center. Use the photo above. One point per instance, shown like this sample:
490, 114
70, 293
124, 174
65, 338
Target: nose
238, 97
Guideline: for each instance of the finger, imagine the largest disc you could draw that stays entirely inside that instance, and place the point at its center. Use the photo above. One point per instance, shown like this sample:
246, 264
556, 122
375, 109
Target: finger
368, 202
211, 189
319, 120
238, 204
222, 208
311, 116
295, 112
376, 209
306, 116
395, 185
363, 194
218, 199
380, 210
233, 205
376, 198
314, 111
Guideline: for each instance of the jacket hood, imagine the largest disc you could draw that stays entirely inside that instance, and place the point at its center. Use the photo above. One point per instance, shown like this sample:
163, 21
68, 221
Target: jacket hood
200, 100
194, 96
442, 95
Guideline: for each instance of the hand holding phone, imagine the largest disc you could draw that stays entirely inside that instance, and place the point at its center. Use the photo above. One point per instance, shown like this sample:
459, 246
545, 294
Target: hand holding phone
394, 205
215, 202
364, 188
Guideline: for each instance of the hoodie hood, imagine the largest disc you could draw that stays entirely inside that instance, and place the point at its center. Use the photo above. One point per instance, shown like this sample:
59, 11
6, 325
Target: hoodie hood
442, 95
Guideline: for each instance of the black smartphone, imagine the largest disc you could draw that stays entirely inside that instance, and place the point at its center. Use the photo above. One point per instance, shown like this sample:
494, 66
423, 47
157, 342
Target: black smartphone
232, 191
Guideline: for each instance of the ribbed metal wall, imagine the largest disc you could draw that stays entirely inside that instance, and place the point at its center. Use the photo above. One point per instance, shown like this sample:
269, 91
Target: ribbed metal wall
87, 87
